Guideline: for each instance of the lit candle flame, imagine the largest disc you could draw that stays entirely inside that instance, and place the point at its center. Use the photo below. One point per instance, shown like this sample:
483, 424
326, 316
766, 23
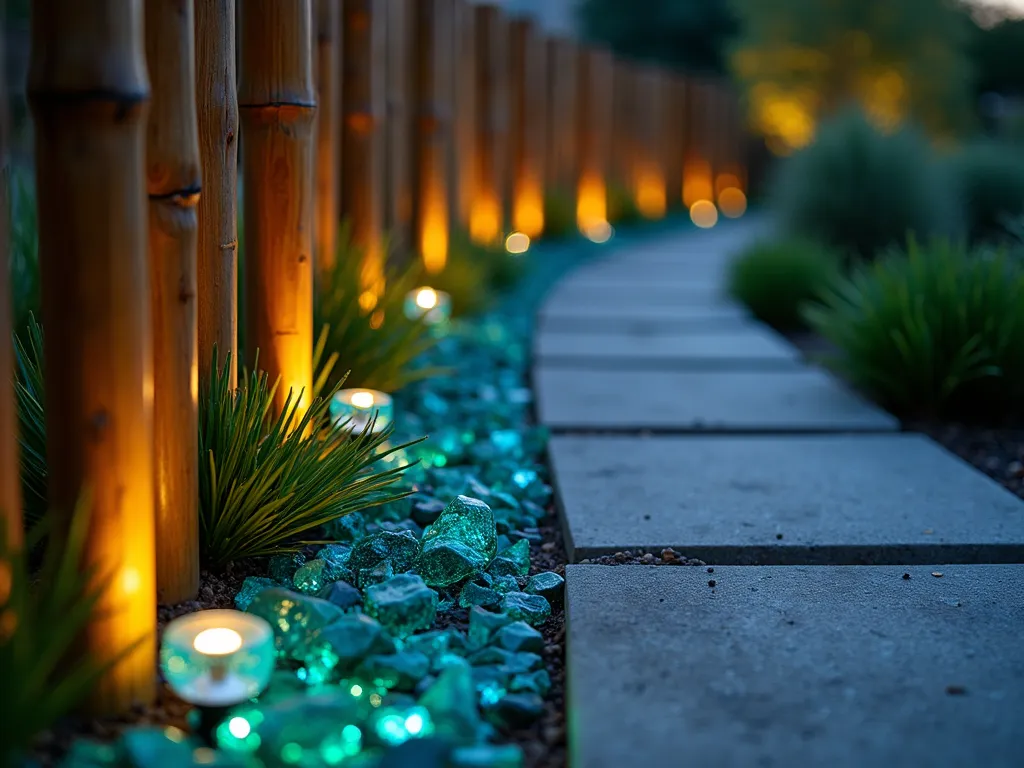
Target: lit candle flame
362, 399
219, 641
426, 298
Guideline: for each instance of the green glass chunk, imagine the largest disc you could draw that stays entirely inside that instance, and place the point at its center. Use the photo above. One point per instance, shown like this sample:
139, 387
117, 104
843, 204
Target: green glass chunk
486, 756
444, 563
283, 567
310, 578
377, 575
398, 548
474, 594
337, 558
515, 710
514, 561
403, 604
538, 682
533, 609
468, 521
352, 638
297, 620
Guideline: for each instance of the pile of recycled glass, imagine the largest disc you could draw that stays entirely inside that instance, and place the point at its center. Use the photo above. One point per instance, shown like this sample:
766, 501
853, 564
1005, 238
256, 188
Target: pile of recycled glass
412, 639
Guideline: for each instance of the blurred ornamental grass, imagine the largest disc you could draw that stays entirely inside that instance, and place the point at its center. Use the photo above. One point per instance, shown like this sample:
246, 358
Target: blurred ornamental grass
989, 176
934, 331
776, 279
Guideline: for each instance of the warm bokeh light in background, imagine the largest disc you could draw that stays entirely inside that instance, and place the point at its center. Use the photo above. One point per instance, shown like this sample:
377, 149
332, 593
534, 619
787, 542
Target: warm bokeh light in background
704, 214
426, 298
598, 232
485, 220
434, 237
528, 209
732, 202
650, 193
591, 202
517, 242
697, 183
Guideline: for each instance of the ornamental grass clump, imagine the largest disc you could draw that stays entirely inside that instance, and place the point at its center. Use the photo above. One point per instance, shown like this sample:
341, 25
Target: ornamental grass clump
860, 190
43, 613
28, 386
990, 178
934, 331
266, 482
372, 345
775, 279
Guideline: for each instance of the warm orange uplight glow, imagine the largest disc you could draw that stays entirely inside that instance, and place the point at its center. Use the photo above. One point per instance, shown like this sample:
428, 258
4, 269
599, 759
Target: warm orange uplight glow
426, 298
434, 235
725, 181
732, 202
528, 209
704, 214
598, 232
591, 202
217, 641
697, 183
372, 278
517, 242
650, 194
485, 220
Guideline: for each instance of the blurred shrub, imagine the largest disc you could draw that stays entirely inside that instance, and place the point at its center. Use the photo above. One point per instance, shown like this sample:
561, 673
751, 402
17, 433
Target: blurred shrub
776, 279
24, 265
990, 178
375, 347
559, 215
860, 190
933, 331
30, 396
466, 275
622, 210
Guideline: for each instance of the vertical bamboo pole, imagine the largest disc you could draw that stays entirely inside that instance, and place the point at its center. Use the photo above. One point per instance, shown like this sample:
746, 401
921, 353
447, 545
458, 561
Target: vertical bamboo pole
674, 113
648, 172
364, 47
433, 111
217, 252
172, 160
528, 92
698, 182
487, 220
89, 93
398, 126
464, 155
594, 123
624, 107
328, 133
562, 162
10, 483
277, 105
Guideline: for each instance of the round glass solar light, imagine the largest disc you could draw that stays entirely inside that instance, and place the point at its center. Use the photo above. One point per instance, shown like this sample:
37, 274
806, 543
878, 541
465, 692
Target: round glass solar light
217, 658
517, 243
435, 307
359, 407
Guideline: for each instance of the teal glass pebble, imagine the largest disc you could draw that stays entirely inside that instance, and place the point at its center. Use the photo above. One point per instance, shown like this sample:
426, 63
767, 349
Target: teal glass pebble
402, 604
337, 558
515, 710
251, 587
483, 624
217, 657
486, 756
397, 548
378, 574
350, 639
459, 543
400, 671
548, 585
283, 567
533, 609
519, 636
504, 584
514, 561
451, 702
475, 594
538, 682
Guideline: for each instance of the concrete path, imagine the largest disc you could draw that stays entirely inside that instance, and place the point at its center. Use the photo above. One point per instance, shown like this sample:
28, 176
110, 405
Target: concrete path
822, 636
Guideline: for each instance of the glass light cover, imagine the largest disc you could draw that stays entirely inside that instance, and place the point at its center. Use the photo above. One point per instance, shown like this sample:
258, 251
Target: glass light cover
435, 307
358, 407
217, 658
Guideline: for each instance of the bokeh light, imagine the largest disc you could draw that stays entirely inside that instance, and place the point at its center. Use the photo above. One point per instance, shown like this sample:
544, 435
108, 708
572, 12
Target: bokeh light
704, 214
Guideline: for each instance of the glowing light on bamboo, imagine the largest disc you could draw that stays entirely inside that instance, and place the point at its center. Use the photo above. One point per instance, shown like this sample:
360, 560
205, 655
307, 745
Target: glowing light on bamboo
485, 220
697, 183
528, 209
650, 193
591, 203
434, 232
732, 202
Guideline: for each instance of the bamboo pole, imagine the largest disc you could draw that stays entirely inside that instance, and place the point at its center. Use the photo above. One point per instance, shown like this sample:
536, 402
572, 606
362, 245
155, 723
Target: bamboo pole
277, 107
10, 481
487, 220
173, 181
217, 252
433, 112
562, 162
648, 172
398, 127
364, 47
675, 105
328, 134
624, 112
594, 123
465, 167
89, 93
528, 104
698, 183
